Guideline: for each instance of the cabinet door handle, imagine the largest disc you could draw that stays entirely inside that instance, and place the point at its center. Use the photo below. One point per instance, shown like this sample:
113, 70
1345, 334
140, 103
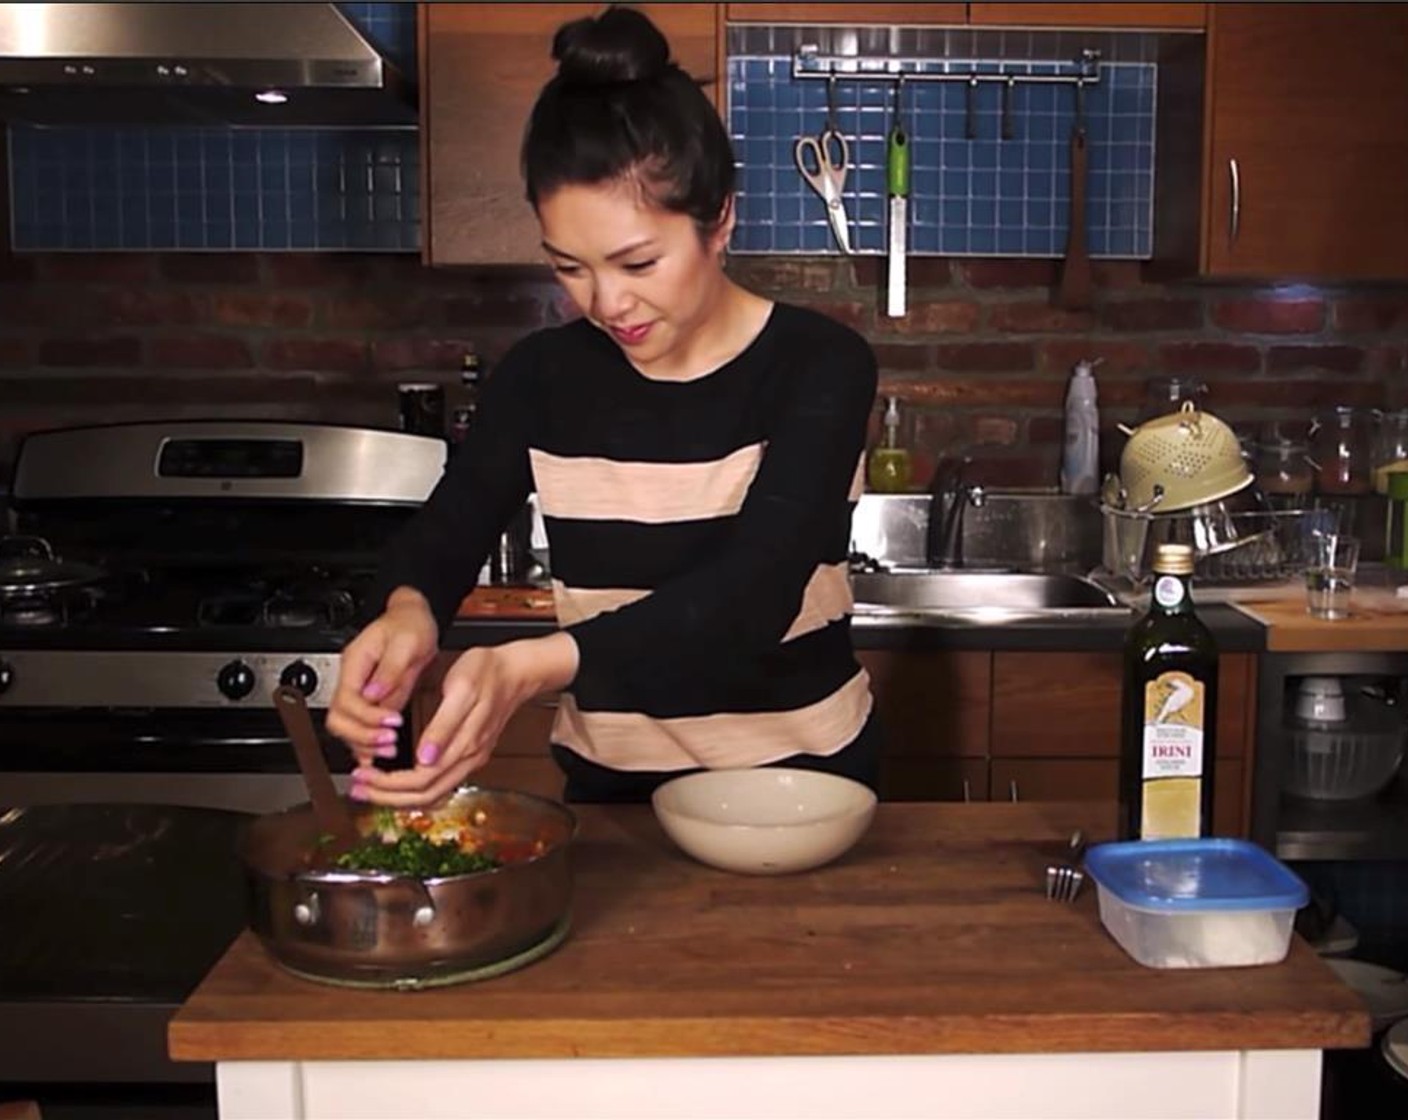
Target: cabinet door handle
967, 791
1234, 217
1012, 790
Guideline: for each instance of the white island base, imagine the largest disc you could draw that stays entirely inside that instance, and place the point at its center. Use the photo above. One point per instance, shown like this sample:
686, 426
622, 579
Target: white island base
1178, 1085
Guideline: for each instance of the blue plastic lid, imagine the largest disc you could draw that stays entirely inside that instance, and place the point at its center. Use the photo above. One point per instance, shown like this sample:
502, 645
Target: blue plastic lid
1193, 875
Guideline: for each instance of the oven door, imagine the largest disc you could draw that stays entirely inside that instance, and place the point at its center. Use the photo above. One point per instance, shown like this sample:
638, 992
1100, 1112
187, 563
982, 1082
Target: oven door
219, 759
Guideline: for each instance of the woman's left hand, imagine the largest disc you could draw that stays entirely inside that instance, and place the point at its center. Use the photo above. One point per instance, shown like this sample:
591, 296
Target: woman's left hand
481, 691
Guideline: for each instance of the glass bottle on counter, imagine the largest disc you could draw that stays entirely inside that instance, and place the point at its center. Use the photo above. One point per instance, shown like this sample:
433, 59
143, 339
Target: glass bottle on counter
1168, 730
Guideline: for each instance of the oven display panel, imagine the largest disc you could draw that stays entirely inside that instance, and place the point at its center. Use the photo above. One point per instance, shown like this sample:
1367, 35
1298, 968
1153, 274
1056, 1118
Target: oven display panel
231, 458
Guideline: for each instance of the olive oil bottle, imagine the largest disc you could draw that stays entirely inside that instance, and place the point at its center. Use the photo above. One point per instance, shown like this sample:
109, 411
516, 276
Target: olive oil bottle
1169, 722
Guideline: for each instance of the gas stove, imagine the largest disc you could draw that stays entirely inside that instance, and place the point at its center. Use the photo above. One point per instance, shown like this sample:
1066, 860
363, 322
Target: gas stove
197, 564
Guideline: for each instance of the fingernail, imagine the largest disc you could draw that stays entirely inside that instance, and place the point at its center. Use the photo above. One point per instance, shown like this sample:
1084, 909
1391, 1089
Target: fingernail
361, 775
385, 752
357, 793
393, 720
427, 754
374, 690
384, 737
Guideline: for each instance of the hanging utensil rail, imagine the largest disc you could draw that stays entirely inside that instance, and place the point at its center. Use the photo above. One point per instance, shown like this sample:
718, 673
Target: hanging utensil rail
809, 63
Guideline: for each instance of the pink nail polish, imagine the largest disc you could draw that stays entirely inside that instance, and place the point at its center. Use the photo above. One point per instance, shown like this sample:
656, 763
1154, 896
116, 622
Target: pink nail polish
357, 793
386, 752
374, 690
393, 720
385, 737
427, 754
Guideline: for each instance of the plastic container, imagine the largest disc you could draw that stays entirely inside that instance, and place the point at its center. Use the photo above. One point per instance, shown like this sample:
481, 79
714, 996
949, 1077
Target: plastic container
1196, 903
1080, 462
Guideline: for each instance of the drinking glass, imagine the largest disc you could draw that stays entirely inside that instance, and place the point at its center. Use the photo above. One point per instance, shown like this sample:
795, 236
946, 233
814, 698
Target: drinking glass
1329, 577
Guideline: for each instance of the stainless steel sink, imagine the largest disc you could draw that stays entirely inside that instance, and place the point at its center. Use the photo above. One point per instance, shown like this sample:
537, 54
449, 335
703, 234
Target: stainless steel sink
991, 594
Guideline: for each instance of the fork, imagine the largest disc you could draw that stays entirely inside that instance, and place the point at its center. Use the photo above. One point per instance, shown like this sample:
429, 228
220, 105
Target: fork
1064, 877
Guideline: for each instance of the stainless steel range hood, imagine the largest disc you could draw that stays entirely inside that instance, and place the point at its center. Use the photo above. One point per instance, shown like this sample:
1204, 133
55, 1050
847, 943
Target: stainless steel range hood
194, 64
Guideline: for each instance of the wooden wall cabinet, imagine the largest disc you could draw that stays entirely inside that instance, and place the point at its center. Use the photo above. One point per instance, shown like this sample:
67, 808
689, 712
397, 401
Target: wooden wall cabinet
1306, 147
481, 68
847, 14
1181, 16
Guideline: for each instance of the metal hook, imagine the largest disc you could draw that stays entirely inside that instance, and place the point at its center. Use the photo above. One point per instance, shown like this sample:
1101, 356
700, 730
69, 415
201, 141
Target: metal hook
971, 127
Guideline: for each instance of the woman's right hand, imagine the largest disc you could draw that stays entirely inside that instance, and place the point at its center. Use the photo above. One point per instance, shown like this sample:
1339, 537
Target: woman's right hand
379, 670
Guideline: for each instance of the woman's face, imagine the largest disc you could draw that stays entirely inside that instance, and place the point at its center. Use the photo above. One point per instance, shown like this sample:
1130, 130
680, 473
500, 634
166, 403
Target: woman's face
643, 275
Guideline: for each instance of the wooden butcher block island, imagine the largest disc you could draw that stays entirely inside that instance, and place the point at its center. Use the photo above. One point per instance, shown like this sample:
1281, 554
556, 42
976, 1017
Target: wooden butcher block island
927, 958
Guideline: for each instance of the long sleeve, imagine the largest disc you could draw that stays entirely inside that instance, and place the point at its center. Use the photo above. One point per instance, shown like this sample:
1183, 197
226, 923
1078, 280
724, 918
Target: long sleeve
442, 548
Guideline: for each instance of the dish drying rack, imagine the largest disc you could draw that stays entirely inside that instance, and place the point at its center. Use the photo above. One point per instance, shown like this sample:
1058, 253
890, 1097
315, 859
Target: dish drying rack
1236, 549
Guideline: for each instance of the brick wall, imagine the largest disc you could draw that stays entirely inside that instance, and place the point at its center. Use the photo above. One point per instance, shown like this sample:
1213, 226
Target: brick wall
981, 360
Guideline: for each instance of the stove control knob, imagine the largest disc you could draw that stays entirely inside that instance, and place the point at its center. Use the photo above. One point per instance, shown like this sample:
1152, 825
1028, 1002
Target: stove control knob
235, 680
7, 675
300, 675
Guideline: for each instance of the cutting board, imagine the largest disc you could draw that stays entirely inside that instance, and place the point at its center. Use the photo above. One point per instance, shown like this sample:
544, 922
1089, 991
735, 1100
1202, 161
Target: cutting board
1378, 622
488, 601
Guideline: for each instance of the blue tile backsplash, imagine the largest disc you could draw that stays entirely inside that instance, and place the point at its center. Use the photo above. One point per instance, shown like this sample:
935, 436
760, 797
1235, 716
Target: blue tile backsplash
312, 189
981, 197
223, 188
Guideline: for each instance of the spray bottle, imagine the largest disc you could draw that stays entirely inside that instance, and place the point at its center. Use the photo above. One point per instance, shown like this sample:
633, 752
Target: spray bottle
1080, 460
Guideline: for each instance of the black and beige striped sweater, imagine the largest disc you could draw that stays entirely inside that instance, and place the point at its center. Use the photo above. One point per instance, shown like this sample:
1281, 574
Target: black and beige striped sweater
698, 531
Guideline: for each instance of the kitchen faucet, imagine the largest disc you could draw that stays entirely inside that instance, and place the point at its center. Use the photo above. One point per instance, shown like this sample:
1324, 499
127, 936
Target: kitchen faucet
944, 545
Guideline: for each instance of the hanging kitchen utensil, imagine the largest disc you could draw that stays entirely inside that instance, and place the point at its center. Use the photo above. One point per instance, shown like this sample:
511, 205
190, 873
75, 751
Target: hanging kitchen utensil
831, 154
970, 108
1074, 289
329, 810
897, 175
1007, 108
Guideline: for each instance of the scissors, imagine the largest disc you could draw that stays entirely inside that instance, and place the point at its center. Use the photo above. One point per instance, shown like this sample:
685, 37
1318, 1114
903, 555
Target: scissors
830, 174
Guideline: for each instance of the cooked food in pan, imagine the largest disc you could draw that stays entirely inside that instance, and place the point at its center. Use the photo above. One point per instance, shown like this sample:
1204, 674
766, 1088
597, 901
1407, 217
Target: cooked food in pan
431, 843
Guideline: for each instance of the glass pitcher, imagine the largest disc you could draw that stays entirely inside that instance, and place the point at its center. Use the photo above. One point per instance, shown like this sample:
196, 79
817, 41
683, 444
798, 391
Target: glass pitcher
1340, 445
1390, 447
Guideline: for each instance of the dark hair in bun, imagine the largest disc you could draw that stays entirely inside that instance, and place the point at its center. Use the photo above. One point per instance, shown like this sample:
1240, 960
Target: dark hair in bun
619, 107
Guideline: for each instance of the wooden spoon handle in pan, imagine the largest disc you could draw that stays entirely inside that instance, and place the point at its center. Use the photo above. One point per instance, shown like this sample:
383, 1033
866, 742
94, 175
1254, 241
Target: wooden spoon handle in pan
1074, 291
329, 810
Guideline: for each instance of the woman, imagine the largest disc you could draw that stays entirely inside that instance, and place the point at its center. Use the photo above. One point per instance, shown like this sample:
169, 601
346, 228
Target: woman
696, 452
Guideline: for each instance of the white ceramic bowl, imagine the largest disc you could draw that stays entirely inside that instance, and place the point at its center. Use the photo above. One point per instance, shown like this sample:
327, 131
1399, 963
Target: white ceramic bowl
764, 821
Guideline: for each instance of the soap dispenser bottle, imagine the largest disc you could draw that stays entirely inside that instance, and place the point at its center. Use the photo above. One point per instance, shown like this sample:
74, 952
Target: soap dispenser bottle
1080, 460
888, 470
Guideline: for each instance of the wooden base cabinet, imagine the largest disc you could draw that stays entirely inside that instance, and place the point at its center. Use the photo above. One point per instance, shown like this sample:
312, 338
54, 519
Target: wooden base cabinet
1056, 730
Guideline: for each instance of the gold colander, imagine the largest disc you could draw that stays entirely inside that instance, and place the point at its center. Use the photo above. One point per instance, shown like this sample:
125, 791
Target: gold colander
1193, 455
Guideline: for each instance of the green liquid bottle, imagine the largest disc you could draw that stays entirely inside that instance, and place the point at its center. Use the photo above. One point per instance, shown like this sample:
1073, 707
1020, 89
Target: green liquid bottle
1168, 732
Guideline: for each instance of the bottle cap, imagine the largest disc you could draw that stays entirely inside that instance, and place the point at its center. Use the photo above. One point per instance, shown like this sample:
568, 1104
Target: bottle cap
1174, 559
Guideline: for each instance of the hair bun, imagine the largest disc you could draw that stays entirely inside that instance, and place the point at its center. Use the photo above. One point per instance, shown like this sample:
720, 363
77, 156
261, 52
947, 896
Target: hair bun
620, 45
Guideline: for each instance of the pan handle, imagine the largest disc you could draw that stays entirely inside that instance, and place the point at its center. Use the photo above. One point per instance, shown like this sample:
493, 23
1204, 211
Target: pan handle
1234, 217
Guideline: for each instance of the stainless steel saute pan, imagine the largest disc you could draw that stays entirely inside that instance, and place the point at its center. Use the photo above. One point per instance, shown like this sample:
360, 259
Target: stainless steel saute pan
375, 929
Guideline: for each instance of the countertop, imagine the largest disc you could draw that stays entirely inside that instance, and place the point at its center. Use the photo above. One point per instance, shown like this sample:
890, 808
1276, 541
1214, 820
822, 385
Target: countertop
501, 614
930, 937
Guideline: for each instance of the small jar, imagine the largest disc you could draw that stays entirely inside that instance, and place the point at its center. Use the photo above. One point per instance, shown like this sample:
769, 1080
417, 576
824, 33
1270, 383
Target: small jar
1282, 468
1340, 448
